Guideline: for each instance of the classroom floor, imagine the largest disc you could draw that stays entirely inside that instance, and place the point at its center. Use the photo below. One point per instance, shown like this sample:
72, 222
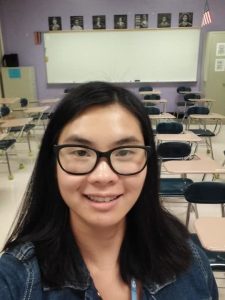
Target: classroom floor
11, 191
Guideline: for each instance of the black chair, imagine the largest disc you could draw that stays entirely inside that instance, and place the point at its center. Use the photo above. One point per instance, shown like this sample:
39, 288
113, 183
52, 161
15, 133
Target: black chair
152, 97
204, 192
169, 128
182, 90
171, 187
5, 145
4, 111
188, 102
199, 193
152, 110
146, 88
23, 102
173, 150
202, 130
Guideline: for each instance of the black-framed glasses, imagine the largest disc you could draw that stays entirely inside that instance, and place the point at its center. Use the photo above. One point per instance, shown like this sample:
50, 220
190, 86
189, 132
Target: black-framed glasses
81, 160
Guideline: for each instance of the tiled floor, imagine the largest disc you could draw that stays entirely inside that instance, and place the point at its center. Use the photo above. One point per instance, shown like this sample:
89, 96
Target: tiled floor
11, 191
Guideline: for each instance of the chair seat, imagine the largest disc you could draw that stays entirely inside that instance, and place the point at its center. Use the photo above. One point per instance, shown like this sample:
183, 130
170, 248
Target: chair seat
5, 144
203, 132
174, 186
216, 258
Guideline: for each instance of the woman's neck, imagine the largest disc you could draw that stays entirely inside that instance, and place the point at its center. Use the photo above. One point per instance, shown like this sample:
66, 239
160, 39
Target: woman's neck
99, 246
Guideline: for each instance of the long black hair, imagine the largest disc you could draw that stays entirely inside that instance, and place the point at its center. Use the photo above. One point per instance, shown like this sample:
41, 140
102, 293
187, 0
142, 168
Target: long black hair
155, 244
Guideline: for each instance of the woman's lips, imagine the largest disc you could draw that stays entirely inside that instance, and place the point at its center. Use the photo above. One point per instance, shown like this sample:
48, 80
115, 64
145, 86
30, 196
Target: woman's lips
101, 199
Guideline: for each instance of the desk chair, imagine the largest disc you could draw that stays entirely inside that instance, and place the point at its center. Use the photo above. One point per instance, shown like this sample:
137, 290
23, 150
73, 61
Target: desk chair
5, 145
4, 111
181, 90
188, 102
204, 192
152, 110
171, 187
207, 193
145, 88
151, 97
169, 127
202, 131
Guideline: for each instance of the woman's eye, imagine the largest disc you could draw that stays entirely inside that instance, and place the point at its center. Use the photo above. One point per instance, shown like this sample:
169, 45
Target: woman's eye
80, 153
123, 152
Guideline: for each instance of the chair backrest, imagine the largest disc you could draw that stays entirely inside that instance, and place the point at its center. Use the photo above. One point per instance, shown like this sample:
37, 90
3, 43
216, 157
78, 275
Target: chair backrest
5, 110
152, 97
193, 110
23, 102
145, 88
169, 127
173, 150
152, 110
206, 192
191, 96
181, 89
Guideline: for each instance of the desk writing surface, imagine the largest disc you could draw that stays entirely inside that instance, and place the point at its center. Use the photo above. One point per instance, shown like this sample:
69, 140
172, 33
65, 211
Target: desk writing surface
36, 109
201, 164
187, 136
211, 233
9, 100
150, 92
162, 116
49, 101
15, 122
212, 116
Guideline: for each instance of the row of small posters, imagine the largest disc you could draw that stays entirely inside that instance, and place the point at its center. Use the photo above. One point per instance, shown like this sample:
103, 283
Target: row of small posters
120, 21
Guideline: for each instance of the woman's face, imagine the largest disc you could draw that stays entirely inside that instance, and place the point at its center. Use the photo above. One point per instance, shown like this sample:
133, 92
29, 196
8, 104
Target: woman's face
101, 198
185, 18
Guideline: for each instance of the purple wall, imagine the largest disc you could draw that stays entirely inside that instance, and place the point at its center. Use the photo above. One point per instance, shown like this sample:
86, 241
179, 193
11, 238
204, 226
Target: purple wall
20, 19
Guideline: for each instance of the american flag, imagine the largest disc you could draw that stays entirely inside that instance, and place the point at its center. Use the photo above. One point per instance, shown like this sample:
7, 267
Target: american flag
206, 19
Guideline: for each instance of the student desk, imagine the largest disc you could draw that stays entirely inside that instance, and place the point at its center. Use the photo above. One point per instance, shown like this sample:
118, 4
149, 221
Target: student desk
211, 233
200, 164
37, 111
190, 92
160, 101
209, 102
210, 116
187, 136
17, 122
8, 101
150, 92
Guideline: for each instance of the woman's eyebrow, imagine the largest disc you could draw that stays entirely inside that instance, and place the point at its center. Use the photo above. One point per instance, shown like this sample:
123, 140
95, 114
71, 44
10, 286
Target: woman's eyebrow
128, 141
76, 139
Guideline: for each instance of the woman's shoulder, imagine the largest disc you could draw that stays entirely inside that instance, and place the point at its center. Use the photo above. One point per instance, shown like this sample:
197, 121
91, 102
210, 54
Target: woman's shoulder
19, 271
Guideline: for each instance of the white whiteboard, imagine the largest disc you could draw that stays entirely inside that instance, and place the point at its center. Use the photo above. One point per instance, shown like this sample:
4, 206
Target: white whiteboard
152, 55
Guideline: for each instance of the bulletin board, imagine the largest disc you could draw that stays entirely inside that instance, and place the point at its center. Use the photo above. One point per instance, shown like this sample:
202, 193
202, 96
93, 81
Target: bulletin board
151, 55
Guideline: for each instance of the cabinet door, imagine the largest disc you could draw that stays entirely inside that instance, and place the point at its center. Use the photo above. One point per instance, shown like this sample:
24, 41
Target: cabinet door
214, 70
19, 82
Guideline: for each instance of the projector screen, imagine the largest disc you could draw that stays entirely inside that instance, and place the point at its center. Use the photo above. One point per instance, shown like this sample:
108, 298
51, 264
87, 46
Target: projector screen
151, 55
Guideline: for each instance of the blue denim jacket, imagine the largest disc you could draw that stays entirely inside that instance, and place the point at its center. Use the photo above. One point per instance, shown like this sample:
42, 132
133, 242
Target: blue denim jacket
20, 280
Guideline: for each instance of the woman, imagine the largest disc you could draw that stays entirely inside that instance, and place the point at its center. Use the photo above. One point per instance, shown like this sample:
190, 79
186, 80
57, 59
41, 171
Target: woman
184, 21
91, 226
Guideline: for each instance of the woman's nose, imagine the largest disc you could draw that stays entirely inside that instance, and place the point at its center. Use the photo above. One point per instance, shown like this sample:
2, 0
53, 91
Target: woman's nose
103, 173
